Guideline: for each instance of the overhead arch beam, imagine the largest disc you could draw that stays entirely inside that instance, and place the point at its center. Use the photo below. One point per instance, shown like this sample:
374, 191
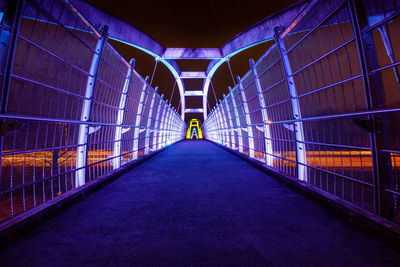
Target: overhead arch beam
263, 30
125, 33
260, 32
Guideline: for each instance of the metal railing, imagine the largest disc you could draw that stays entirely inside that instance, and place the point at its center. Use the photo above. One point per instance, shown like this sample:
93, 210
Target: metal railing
73, 109
322, 104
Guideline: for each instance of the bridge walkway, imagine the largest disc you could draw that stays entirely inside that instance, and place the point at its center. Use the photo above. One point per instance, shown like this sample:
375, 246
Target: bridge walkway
195, 203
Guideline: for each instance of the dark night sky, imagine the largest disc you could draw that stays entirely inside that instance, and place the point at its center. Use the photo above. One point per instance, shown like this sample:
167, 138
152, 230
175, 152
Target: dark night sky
177, 23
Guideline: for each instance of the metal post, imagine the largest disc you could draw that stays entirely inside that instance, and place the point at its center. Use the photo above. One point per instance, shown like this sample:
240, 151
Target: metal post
120, 118
379, 132
248, 119
164, 122
9, 36
154, 70
161, 126
228, 111
216, 125
264, 114
169, 125
219, 138
239, 127
83, 135
147, 140
301, 158
174, 126
219, 125
12, 21
139, 114
224, 124
165, 132
156, 125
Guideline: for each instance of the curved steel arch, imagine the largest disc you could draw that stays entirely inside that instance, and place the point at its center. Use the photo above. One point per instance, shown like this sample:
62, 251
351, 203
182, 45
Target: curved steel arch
260, 32
125, 33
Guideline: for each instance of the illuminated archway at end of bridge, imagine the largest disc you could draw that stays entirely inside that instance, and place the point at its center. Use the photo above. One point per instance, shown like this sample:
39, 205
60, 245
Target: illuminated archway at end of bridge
194, 131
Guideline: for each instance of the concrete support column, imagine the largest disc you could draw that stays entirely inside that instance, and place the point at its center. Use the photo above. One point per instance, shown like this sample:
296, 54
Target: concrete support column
120, 118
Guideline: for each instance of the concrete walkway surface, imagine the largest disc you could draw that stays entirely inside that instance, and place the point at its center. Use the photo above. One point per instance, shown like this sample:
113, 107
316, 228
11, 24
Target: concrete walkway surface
196, 204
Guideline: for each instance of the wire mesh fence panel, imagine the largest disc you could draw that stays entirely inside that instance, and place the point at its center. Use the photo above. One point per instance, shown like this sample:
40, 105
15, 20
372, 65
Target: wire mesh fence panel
330, 103
378, 28
273, 86
70, 105
49, 70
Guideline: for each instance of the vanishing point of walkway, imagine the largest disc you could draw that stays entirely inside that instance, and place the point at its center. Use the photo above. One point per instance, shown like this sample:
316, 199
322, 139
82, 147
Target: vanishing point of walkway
196, 204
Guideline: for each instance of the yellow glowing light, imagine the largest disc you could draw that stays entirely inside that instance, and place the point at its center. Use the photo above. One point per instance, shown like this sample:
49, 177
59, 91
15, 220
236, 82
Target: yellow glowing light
194, 125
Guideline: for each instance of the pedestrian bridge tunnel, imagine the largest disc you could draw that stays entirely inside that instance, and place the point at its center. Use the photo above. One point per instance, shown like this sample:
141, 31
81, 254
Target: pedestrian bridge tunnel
321, 106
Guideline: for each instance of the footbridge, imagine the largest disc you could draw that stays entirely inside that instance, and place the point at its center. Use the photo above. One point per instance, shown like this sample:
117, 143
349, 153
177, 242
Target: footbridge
301, 162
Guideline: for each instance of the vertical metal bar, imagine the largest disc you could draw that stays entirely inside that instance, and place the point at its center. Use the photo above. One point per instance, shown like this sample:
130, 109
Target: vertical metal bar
170, 128
264, 114
147, 140
239, 127
389, 51
171, 123
219, 125
165, 141
173, 90
157, 123
164, 131
248, 119
161, 127
231, 135
382, 205
12, 20
224, 124
120, 118
219, 138
301, 158
154, 70
139, 114
166, 126
230, 70
83, 135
